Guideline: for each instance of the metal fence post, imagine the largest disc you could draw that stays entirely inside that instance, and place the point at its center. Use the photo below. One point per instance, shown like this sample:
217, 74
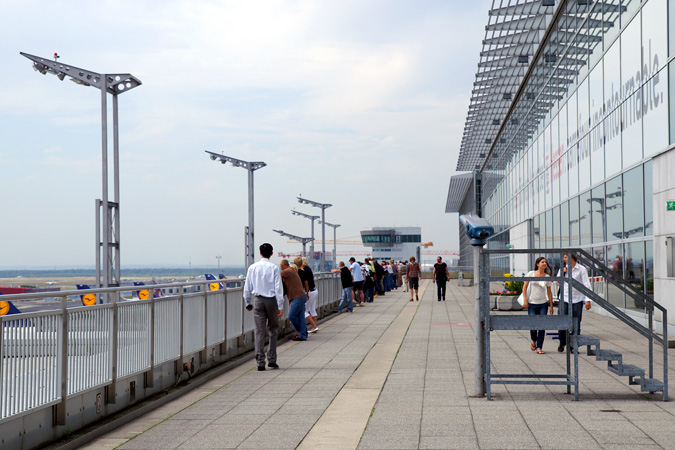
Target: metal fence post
59, 412
150, 374
111, 389
478, 328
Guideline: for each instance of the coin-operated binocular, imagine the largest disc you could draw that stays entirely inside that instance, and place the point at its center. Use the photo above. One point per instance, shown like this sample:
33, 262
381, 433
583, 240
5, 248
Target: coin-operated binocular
477, 228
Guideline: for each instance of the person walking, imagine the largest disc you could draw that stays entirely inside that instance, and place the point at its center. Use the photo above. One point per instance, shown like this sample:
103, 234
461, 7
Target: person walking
578, 299
357, 277
414, 274
297, 299
264, 295
404, 275
347, 288
307, 278
440, 276
538, 300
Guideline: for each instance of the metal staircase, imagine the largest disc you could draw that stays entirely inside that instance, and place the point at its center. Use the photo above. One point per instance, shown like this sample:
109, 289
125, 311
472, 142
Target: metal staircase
615, 364
636, 375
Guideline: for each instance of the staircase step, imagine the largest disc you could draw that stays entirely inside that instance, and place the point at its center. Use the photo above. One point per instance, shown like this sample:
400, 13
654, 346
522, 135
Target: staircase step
608, 355
651, 385
586, 339
626, 370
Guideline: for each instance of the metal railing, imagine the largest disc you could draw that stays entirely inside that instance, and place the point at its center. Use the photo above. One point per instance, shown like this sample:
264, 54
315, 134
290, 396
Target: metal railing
48, 356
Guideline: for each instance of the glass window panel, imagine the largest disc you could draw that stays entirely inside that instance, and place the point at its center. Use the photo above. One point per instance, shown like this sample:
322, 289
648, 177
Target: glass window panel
596, 96
572, 130
562, 132
548, 195
574, 221
542, 193
649, 214
584, 163
598, 213
536, 228
573, 170
534, 196
582, 108
612, 90
555, 141
635, 264
631, 113
549, 229
585, 218
655, 113
541, 152
615, 262
562, 168
614, 209
633, 203
556, 227
654, 35
564, 225
649, 268
631, 58
597, 140
555, 182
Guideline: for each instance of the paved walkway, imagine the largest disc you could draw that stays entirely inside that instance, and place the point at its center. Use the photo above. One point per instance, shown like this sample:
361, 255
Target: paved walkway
399, 375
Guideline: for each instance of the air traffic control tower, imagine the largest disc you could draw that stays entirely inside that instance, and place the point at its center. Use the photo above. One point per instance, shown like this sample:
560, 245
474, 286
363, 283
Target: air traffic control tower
393, 243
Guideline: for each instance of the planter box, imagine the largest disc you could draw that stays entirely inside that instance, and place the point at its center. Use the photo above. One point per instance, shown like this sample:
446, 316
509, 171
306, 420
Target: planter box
508, 303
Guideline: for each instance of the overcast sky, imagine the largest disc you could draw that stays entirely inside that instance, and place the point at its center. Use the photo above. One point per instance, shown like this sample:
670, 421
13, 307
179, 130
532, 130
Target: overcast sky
356, 103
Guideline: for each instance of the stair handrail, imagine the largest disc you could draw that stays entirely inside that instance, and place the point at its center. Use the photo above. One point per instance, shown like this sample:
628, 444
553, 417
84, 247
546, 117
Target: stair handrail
624, 284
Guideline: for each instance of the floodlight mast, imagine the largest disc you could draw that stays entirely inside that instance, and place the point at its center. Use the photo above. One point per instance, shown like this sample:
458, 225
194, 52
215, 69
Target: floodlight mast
312, 218
302, 240
323, 207
250, 166
107, 213
334, 226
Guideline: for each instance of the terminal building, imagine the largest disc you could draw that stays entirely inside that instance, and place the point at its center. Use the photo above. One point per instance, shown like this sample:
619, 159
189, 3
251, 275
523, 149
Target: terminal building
398, 243
568, 141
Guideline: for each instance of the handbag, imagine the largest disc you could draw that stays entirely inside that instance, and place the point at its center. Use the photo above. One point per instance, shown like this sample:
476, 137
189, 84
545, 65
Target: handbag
521, 300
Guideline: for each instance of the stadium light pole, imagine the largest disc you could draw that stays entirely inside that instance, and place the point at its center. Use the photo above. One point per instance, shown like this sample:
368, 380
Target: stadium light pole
114, 84
323, 206
302, 240
250, 166
334, 226
312, 218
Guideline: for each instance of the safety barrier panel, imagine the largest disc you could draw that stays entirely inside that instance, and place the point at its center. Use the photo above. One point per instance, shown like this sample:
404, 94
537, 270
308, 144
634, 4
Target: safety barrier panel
50, 356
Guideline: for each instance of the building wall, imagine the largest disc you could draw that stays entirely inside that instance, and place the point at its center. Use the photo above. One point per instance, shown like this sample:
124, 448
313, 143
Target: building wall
664, 226
521, 238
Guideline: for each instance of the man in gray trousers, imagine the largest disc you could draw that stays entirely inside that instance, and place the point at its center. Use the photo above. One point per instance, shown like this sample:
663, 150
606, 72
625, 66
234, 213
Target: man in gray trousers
263, 285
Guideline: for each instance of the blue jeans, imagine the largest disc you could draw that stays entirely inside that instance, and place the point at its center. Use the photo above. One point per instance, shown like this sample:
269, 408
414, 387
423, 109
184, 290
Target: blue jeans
369, 294
296, 314
537, 335
577, 310
346, 299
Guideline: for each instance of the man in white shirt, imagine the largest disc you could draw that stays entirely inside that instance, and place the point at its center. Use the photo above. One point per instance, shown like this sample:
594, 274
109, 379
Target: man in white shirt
357, 276
264, 295
578, 299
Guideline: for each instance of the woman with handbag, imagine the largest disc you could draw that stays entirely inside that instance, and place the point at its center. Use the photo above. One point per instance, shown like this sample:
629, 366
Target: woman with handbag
538, 300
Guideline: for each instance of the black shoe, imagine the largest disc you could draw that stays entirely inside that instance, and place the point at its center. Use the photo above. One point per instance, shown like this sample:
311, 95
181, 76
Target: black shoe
561, 348
439, 299
272, 366
261, 368
443, 298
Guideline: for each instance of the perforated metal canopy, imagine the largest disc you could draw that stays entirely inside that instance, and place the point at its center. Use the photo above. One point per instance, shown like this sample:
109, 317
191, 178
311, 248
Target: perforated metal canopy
532, 52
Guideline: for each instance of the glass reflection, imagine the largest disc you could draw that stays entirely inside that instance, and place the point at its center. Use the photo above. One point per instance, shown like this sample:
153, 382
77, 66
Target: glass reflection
615, 262
614, 208
574, 221
564, 225
635, 262
598, 213
585, 217
649, 218
633, 224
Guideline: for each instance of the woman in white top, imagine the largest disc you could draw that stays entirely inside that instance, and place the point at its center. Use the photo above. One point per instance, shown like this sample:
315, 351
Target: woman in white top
538, 300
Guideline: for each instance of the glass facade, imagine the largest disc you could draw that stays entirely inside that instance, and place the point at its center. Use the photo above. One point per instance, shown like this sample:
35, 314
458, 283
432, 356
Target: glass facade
575, 154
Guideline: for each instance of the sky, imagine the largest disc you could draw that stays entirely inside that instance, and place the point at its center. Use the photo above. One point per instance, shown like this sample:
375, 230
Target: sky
356, 103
